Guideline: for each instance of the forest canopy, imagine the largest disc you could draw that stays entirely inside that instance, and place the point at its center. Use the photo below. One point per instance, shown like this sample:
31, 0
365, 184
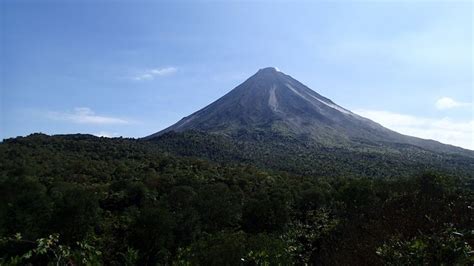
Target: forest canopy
86, 200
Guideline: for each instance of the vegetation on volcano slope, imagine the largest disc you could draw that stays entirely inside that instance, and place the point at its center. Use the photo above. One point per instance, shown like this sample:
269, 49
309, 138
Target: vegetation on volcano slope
302, 156
86, 200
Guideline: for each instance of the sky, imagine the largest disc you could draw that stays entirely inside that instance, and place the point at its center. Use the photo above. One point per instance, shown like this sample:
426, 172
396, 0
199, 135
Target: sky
132, 68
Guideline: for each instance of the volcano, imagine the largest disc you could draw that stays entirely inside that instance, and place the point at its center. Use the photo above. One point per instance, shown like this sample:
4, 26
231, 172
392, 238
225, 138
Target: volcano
271, 101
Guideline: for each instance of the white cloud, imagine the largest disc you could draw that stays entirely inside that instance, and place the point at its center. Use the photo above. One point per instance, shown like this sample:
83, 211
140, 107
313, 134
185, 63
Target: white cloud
449, 103
445, 130
106, 134
84, 115
150, 74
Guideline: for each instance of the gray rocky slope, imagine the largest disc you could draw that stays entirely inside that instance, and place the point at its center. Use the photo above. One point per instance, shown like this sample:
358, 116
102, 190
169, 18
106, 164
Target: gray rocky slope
272, 101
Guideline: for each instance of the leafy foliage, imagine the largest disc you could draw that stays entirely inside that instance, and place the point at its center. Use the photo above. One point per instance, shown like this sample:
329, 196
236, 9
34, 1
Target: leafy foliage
83, 200
303, 156
447, 247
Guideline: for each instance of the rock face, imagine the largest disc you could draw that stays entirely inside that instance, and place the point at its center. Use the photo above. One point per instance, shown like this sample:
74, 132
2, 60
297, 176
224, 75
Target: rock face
272, 101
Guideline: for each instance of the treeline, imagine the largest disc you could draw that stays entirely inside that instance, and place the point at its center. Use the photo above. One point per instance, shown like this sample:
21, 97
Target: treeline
297, 155
84, 200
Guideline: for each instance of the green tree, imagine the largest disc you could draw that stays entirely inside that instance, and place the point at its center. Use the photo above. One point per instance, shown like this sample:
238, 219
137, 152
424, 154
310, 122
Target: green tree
75, 212
152, 235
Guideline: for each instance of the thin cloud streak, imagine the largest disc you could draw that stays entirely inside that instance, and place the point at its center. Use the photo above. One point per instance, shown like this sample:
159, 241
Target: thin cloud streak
449, 103
151, 74
106, 134
445, 130
84, 115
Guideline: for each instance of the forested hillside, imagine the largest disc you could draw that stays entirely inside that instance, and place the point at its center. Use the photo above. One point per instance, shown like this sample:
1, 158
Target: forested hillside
302, 156
84, 200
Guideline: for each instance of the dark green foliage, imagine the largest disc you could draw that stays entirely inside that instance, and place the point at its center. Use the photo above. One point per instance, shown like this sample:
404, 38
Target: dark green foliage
182, 203
236, 248
219, 207
446, 247
303, 156
224, 248
127, 202
266, 212
75, 211
24, 207
152, 234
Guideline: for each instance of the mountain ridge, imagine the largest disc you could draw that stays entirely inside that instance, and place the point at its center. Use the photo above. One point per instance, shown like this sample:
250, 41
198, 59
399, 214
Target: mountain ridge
271, 100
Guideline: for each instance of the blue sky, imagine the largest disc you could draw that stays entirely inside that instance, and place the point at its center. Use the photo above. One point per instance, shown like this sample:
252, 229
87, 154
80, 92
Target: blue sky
131, 68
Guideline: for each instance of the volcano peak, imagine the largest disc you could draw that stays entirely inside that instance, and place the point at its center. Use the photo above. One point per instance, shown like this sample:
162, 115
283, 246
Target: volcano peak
272, 101
268, 70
